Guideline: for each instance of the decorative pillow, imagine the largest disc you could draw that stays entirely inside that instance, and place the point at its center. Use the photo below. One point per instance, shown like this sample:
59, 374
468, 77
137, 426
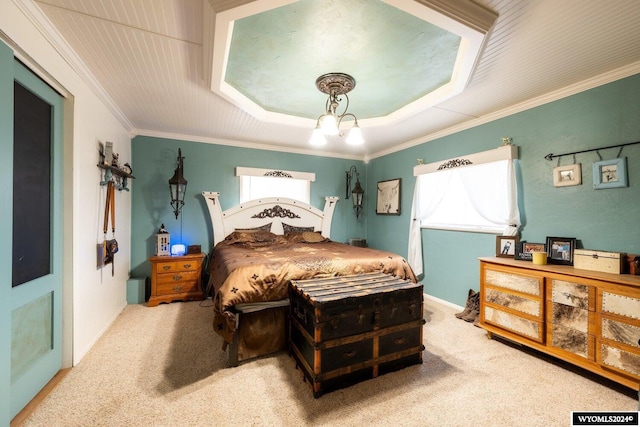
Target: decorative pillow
305, 237
292, 228
313, 237
266, 227
252, 238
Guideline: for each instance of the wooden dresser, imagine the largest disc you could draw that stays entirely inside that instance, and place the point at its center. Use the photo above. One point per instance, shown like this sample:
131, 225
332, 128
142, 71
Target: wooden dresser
352, 328
587, 318
175, 278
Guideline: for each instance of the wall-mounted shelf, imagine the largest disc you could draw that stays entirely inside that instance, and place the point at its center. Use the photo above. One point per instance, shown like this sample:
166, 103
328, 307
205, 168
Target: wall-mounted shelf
117, 175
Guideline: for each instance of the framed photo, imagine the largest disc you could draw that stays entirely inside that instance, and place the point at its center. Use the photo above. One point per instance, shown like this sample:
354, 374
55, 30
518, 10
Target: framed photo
564, 176
506, 246
610, 173
525, 250
388, 197
560, 250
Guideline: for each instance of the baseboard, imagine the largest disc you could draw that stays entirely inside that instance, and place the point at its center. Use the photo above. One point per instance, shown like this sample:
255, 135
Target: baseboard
441, 301
22, 416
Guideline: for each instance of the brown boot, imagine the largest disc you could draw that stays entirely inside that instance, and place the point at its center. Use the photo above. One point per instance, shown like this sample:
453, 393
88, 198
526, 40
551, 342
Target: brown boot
474, 311
467, 307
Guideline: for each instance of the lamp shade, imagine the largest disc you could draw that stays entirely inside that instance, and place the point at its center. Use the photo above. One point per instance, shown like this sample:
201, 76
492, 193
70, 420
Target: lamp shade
355, 136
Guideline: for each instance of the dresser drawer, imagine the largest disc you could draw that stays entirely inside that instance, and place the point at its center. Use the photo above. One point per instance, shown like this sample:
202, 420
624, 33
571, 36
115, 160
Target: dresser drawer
177, 287
621, 304
525, 327
178, 276
627, 333
519, 303
573, 294
618, 358
170, 266
514, 281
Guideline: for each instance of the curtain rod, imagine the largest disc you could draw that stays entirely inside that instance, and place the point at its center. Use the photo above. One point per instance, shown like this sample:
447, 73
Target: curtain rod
551, 156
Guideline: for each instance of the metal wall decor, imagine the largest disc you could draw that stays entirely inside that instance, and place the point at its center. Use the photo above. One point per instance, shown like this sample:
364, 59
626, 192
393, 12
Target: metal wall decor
276, 211
454, 164
278, 174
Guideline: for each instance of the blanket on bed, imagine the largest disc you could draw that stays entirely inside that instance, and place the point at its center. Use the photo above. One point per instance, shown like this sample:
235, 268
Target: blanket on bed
257, 266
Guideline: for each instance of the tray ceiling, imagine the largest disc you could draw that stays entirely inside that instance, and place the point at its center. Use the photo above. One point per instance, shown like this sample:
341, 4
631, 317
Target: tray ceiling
154, 63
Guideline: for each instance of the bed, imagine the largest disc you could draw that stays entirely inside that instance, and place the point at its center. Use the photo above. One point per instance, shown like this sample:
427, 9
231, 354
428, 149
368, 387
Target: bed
259, 247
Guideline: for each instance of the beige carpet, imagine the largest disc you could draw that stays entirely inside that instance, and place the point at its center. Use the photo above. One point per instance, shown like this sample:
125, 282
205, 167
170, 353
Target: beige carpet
163, 366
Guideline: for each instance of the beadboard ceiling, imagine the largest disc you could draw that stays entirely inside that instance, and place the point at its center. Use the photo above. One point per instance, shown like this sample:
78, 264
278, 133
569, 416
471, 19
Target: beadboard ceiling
153, 63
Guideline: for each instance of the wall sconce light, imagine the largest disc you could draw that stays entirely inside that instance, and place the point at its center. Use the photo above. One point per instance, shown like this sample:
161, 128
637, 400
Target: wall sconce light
178, 186
357, 192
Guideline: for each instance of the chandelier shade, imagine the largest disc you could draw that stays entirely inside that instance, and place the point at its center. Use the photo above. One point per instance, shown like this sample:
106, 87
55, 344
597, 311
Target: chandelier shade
336, 86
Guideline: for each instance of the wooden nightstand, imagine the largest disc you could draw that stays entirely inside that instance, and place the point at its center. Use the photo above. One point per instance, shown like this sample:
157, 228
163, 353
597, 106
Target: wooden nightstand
175, 278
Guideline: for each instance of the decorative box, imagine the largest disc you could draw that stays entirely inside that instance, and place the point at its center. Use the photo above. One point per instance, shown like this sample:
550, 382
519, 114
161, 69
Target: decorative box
606, 262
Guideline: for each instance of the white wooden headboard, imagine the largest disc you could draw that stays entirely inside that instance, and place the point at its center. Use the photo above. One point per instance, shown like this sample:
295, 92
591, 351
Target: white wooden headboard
274, 210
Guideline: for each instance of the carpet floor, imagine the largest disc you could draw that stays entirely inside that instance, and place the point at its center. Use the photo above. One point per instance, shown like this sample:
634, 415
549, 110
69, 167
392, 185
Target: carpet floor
163, 366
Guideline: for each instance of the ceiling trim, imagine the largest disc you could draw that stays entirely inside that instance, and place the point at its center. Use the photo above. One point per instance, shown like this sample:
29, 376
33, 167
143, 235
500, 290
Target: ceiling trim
42, 23
612, 76
244, 144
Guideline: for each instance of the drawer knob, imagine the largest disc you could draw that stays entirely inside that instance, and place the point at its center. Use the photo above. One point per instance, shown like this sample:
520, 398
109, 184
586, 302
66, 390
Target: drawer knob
400, 340
187, 266
166, 267
177, 289
349, 354
177, 277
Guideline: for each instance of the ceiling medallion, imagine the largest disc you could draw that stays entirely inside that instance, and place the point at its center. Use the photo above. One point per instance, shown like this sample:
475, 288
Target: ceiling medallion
335, 83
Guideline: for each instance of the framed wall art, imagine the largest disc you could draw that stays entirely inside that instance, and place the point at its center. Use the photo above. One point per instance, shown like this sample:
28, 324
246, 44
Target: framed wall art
506, 246
388, 197
560, 250
610, 173
564, 176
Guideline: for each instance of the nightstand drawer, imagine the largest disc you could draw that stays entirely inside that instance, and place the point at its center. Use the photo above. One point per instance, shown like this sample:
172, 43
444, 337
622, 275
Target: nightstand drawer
186, 265
177, 287
177, 276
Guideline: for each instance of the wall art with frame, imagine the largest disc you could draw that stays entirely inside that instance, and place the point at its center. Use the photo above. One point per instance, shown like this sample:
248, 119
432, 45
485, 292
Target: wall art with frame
560, 250
388, 197
564, 176
610, 173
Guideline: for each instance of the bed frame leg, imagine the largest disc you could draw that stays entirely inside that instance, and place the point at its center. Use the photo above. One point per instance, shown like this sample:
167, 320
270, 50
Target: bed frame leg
232, 358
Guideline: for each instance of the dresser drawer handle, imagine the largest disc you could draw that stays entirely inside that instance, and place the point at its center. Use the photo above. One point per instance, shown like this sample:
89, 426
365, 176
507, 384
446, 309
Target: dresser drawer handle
177, 277
399, 340
187, 265
166, 267
177, 289
638, 342
349, 354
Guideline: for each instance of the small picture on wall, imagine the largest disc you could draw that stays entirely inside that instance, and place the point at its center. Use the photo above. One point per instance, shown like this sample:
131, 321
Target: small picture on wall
610, 173
564, 176
506, 246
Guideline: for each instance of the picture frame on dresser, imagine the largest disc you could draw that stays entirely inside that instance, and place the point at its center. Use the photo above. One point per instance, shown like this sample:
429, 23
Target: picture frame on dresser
560, 250
506, 246
525, 250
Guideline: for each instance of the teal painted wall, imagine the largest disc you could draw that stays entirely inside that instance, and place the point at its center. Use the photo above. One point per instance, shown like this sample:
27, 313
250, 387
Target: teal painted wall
211, 167
601, 219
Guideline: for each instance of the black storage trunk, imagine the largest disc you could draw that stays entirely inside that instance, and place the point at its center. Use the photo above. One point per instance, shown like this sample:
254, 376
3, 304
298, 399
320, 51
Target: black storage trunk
352, 328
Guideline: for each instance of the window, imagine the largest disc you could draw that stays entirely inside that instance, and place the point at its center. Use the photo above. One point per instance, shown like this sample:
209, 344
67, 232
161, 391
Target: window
260, 183
476, 194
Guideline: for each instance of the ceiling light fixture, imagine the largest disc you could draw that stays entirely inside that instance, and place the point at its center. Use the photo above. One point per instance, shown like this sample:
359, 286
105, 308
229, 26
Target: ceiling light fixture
335, 85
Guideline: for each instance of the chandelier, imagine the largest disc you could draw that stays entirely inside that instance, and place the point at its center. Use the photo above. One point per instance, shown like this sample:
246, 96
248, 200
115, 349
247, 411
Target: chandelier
336, 85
